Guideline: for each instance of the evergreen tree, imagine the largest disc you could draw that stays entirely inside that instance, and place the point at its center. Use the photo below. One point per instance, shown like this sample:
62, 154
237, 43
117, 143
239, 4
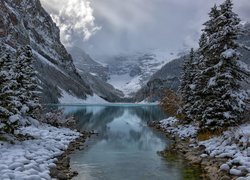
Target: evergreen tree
186, 87
220, 101
28, 81
198, 83
8, 95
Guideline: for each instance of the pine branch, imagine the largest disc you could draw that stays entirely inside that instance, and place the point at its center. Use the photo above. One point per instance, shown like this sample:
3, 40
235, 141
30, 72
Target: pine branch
244, 47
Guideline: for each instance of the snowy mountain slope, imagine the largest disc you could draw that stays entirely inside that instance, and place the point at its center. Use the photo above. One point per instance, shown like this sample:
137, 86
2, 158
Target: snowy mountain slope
95, 74
168, 76
131, 72
27, 23
85, 63
101, 88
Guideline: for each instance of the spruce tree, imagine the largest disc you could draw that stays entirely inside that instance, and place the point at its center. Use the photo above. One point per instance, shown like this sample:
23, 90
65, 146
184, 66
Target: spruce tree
198, 83
28, 81
9, 103
186, 87
222, 100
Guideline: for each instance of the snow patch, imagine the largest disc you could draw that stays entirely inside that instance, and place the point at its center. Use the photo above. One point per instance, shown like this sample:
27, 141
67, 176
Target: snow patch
46, 61
229, 53
172, 126
32, 159
125, 83
233, 144
95, 100
67, 98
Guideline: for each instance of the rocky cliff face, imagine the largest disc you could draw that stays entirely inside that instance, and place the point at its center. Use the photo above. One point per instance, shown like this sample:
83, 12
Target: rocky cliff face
85, 63
25, 22
166, 78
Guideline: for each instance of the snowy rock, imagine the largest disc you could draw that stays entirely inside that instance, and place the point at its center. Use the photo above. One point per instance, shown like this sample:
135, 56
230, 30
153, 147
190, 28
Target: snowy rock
229, 145
235, 172
183, 131
32, 159
203, 155
224, 167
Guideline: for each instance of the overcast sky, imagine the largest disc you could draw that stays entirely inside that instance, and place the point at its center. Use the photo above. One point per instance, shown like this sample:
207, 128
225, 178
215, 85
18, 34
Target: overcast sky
108, 27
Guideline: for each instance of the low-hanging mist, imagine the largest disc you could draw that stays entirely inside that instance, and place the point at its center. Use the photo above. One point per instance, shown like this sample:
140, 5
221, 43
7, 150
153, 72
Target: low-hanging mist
110, 27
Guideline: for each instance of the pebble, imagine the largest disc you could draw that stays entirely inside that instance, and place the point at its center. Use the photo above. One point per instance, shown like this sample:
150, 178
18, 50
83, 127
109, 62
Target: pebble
204, 155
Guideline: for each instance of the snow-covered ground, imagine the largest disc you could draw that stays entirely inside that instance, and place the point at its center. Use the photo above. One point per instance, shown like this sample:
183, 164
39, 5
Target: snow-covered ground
171, 125
32, 159
234, 144
67, 98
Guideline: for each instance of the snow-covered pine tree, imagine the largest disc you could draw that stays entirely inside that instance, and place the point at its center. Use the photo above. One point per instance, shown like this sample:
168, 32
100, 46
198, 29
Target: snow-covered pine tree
198, 82
8, 95
28, 81
186, 76
223, 100
186, 86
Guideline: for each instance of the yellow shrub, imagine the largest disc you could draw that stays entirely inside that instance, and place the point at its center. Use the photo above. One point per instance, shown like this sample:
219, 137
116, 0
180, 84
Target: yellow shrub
207, 134
171, 102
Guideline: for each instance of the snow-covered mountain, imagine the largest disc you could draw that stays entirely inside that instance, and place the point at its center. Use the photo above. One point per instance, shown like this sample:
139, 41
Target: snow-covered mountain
131, 72
27, 23
84, 63
168, 76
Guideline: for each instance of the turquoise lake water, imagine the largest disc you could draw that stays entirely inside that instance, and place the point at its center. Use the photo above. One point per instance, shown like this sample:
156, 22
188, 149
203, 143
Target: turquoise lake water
125, 148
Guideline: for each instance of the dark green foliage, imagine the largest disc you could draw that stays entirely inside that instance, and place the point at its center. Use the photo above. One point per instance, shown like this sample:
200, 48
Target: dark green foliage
19, 89
216, 99
8, 95
28, 81
186, 86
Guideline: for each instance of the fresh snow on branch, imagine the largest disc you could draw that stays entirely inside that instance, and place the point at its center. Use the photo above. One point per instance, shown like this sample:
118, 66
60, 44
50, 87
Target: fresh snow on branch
244, 47
229, 53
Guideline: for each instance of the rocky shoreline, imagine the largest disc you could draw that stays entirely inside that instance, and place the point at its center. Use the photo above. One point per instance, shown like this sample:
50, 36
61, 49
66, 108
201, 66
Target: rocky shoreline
194, 155
63, 171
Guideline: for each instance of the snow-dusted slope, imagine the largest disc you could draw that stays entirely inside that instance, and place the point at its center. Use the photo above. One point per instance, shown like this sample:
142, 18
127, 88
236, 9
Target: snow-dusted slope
67, 98
84, 63
131, 72
27, 23
32, 159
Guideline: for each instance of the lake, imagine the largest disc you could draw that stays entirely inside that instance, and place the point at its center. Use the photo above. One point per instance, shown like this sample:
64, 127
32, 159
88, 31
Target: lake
125, 147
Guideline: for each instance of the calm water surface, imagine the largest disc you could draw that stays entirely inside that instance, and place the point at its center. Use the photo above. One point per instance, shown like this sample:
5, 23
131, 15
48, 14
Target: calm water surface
126, 148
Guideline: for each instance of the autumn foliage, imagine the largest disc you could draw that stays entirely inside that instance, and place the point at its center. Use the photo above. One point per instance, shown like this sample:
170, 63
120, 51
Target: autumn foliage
171, 103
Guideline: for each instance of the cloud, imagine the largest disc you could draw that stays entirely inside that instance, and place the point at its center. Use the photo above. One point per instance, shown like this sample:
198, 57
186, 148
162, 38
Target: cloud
74, 18
134, 25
